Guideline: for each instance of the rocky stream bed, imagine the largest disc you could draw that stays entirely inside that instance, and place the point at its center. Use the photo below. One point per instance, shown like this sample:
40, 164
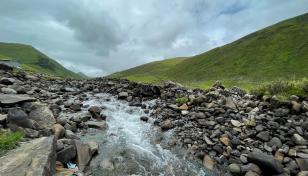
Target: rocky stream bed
117, 127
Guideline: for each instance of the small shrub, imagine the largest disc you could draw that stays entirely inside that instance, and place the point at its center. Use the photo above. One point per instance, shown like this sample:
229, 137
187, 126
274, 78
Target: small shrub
279, 87
182, 100
9, 140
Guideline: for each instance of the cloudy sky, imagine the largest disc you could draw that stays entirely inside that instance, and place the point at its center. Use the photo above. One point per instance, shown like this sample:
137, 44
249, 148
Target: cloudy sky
98, 37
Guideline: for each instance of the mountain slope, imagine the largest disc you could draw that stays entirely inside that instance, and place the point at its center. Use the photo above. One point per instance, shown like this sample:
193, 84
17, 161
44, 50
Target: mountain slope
279, 51
33, 60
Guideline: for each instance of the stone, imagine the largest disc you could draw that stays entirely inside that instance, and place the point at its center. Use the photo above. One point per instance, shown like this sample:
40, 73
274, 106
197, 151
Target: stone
279, 156
95, 111
251, 167
83, 154
7, 90
183, 107
208, 162
102, 125
296, 107
122, 95
93, 147
303, 173
236, 123
58, 130
7, 81
225, 140
305, 106
42, 115
67, 154
70, 135
18, 117
299, 140
251, 173
36, 157
11, 99
234, 169
267, 163
275, 142
207, 140
302, 163
184, 113
107, 164
81, 117
144, 118
264, 136
3, 119
166, 125
75, 107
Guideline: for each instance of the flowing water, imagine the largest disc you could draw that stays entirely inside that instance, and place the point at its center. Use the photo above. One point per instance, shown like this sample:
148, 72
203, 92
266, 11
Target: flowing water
133, 147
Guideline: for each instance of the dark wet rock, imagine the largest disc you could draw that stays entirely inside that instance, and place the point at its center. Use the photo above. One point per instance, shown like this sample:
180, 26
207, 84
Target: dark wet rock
144, 118
267, 163
7, 81
68, 154
19, 117
264, 136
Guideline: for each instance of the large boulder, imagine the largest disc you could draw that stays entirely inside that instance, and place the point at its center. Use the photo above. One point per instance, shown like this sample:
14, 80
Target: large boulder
267, 163
7, 81
58, 130
42, 115
36, 157
83, 154
11, 99
67, 154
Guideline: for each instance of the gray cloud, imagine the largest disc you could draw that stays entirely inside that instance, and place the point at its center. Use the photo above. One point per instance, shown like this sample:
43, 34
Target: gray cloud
100, 37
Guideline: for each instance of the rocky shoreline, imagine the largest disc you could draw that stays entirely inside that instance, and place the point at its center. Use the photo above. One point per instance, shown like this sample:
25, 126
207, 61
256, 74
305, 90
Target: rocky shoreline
223, 128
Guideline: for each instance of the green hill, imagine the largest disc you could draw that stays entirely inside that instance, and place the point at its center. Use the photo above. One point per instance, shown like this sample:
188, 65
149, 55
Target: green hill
33, 60
279, 51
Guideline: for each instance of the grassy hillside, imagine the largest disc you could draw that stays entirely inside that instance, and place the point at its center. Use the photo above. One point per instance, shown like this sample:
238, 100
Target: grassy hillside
151, 73
279, 51
33, 60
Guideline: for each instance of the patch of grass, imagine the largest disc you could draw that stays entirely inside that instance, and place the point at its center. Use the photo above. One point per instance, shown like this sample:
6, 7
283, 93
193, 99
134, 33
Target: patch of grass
182, 100
9, 140
282, 89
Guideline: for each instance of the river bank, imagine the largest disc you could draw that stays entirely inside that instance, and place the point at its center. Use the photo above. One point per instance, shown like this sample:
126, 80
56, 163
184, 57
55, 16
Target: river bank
221, 128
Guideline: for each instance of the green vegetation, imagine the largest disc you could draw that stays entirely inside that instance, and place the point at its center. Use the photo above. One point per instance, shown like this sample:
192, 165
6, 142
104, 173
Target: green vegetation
282, 89
278, 52
9, 140
182, 100
33, 60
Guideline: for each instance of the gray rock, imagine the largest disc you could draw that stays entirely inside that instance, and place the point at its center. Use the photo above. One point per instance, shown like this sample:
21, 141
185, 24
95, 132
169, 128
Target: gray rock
166, 125
302, 163
7, 90
70, 135
102, 125
36, 157
11, 99
3, 119
299, 140
83, 154
275, 142
41, 114
234, 169
264, 136
19, 117
144, 118
93, 147
303, 173
267, 163
123, 95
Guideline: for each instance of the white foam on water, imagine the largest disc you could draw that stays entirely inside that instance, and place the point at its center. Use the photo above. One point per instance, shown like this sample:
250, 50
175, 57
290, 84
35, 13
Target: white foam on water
133, 141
